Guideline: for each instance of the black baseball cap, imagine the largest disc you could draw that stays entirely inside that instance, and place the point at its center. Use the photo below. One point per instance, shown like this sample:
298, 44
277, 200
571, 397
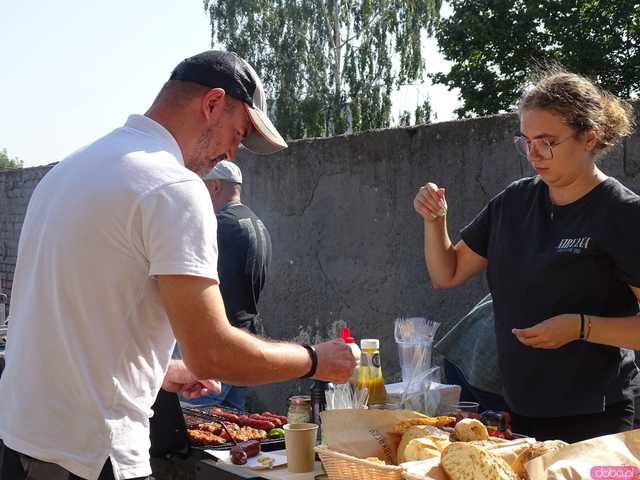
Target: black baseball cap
226, 70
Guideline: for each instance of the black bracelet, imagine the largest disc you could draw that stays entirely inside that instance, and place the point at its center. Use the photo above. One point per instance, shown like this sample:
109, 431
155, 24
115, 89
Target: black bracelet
582, 326
314, 361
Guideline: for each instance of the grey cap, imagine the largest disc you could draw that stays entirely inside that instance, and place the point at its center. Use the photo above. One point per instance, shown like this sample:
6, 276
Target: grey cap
225, 170
219, 69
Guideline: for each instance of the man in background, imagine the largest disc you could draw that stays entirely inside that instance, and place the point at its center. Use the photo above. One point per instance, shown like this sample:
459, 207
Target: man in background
244, 246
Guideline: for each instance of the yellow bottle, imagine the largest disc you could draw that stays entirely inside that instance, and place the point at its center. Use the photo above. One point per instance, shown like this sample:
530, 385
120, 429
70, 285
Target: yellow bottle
370, 371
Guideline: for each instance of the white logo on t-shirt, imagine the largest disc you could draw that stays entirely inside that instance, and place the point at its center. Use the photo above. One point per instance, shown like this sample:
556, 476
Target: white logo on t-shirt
573, 245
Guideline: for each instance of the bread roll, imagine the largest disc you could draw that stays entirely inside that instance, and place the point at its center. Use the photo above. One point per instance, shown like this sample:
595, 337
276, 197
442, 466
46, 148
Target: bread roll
509, 450
534, 451
463, 461
405, 425
439, 438
420, 449
488, 444
471, 429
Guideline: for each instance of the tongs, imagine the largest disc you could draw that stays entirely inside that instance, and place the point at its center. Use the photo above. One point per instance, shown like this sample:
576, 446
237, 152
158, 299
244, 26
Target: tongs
221, 421
217, 418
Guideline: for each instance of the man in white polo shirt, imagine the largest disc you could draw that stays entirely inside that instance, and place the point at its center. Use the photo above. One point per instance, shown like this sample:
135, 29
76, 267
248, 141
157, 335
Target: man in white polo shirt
117, 255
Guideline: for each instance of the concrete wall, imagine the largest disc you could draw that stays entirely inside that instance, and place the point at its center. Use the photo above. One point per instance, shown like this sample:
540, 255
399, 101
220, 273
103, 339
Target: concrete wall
347, 245
16, 187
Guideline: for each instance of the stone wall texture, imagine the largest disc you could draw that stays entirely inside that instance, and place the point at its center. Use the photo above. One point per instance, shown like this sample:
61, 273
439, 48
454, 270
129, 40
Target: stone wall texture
16, 187
347, 244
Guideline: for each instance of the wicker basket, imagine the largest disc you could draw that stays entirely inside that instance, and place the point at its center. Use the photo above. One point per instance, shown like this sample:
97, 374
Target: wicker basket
340, 467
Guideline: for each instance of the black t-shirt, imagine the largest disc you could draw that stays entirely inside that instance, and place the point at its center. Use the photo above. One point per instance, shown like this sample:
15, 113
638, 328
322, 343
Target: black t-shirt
244, 256
545, 260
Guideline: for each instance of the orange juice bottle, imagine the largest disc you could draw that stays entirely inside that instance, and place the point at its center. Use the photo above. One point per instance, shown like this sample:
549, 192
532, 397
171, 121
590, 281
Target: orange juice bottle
370, 371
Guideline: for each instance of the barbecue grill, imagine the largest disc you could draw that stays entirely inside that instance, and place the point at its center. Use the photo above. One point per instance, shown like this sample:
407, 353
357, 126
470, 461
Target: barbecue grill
168, 428
201, 414
171, 453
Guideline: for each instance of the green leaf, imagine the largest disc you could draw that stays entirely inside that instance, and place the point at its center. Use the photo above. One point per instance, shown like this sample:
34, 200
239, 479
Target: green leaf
9, 163
494, 43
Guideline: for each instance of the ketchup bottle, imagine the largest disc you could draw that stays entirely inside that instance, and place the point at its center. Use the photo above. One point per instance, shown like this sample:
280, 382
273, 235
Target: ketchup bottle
345, 334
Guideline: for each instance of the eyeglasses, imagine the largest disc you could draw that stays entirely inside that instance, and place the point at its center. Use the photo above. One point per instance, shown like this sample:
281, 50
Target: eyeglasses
541, 145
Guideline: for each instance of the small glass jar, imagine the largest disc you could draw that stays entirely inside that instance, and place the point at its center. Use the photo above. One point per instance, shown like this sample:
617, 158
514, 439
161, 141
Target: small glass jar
299, 409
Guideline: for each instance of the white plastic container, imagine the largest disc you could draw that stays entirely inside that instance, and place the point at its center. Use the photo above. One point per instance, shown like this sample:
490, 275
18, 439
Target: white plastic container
345, 334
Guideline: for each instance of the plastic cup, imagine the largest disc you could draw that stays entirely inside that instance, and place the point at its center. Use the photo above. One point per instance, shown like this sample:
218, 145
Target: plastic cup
415, 357
299, 442
468, 406
466, 409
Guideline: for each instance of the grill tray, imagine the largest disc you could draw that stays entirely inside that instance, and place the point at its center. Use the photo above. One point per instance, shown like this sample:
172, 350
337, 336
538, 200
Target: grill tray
202, 414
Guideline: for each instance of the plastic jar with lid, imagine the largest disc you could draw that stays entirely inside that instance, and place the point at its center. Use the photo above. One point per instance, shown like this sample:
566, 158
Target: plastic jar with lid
299, 409
370, 371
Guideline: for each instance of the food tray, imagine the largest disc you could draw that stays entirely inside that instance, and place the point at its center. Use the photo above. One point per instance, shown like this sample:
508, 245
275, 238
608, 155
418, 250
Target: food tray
195, 415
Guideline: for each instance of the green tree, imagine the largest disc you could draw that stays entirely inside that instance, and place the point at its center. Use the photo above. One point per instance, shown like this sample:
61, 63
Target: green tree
329, 66
423, 113
405, 118
421, 116
493, 45
6, 162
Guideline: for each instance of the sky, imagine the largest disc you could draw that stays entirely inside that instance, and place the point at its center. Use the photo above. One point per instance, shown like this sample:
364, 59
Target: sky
74, 70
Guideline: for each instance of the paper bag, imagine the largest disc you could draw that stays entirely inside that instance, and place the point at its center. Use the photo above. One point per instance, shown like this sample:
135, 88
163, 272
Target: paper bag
509, 450
364, 433
611, 456
424, 470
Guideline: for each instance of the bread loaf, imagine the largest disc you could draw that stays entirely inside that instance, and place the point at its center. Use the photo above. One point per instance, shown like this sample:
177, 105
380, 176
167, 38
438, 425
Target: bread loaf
463, 461
438, 438
470, 429
534, 451
488, 444
420, 449
405, 425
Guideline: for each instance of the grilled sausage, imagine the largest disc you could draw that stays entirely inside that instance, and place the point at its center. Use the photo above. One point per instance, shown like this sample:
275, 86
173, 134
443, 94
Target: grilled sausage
252, 447
238, 455
274, 420
226, 415
283, 419
254, 423
244, 450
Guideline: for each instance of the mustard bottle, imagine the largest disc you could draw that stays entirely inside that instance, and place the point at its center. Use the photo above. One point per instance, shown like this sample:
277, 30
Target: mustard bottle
370, 371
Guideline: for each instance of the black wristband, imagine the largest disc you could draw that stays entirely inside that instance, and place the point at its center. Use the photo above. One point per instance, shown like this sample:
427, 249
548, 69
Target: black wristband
582, 326
314, 361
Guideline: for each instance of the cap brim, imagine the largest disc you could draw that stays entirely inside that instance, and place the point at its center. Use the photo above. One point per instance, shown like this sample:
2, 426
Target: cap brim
263, 138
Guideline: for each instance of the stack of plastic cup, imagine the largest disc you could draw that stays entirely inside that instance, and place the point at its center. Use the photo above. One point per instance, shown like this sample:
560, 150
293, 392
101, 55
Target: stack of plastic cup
414, 338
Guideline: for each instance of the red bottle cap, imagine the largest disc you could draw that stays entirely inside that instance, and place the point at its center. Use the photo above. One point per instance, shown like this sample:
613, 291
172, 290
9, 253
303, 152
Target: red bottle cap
345, 334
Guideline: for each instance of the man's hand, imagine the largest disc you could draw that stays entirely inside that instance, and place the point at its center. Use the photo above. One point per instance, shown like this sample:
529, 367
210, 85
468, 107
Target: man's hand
336, 361
554, 332
179, 379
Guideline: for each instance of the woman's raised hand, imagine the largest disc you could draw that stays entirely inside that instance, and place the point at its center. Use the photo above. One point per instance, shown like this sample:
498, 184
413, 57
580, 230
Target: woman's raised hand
430, 202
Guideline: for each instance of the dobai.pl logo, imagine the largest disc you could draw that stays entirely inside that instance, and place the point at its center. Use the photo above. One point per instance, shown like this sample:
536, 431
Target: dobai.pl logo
627, 473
